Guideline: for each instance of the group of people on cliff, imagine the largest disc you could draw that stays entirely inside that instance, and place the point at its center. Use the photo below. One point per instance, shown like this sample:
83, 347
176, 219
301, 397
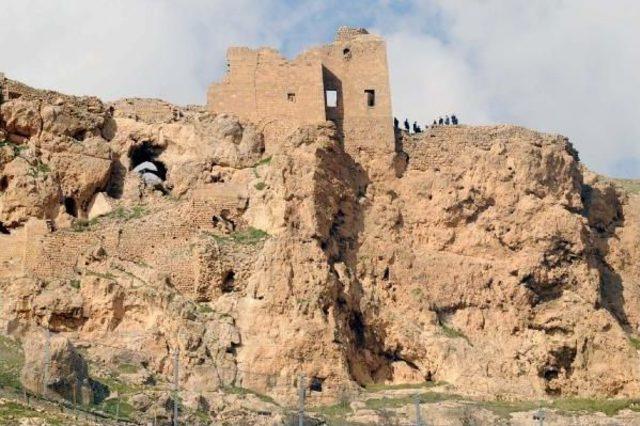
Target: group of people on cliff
453, 120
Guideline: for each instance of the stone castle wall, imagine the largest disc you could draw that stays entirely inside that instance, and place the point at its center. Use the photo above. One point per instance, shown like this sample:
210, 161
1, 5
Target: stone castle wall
264, 87
163, 240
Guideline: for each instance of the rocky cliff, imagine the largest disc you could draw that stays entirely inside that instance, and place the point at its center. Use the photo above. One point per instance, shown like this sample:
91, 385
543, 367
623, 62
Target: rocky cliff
138, 233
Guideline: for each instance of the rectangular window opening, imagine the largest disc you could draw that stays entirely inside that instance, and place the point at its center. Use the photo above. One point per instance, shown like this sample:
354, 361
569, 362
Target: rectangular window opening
291, 97
371, 97
332, 98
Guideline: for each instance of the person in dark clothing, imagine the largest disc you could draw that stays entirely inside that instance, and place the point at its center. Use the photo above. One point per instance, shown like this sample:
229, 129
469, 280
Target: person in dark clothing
396, 123
406, 125
446, 120
440, 121
435, 123
416, 128
454, 119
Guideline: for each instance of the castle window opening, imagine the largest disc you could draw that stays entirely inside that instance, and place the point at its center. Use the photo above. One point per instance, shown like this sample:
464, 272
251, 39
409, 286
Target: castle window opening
346, 53
291, 97
332, 98
4, 183
370, 94
70, 206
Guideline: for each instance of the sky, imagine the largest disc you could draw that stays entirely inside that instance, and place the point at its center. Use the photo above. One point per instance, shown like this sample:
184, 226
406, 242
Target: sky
560, 66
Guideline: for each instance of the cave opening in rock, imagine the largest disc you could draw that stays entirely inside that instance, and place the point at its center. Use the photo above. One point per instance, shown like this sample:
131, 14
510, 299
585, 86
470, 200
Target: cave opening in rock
147, 153
228, 282
4, 183
3, 229
316, 384
70, 206
356, 324
385, 275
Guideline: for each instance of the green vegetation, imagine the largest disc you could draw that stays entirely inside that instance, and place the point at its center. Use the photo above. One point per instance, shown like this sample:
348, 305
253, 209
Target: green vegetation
11, 410
262, 162
204, 308
126, 214
334, 413
453, 333
243, 391
11, 362
425, 398
38, 169
376, 387
260, 186
635, 342
249, 236
16, 148
128, 368
629, 185
82, 225
124, 411
75, 284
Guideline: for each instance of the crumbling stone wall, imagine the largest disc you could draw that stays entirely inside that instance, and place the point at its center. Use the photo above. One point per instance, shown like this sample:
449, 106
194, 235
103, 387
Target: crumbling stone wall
163, 239
264, 87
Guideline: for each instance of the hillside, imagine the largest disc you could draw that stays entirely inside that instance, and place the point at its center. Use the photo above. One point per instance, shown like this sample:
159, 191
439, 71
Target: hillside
476, 264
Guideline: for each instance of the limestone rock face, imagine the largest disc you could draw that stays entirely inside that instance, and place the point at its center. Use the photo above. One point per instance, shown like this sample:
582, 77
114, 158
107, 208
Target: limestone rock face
66, 372
488, 258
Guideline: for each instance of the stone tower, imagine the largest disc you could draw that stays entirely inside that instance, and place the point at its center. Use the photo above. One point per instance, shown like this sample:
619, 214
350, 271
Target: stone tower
346, 81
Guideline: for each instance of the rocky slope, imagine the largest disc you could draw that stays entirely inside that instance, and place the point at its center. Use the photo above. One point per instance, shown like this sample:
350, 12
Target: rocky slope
484, 257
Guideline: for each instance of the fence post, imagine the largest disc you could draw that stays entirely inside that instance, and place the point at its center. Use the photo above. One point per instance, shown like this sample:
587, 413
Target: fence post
47, 361
301, 395
176, 359
416, 400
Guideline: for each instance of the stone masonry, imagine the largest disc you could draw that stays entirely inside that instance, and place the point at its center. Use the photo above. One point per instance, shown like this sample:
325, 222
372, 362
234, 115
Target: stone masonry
346, 81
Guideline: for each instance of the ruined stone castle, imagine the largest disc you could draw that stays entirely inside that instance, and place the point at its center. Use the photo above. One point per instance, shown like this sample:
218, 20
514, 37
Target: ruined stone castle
346, 82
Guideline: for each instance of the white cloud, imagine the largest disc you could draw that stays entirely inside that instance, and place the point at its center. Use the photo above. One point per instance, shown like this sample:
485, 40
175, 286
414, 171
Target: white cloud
567, 66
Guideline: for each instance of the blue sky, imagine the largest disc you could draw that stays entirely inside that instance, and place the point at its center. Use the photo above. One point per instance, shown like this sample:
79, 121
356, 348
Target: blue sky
562, 66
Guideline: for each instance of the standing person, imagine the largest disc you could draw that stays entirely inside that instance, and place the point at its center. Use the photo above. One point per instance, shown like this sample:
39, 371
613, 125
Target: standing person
446, 120
435, 123
416, 128
406, 125
454, 119
396, 123
440, 121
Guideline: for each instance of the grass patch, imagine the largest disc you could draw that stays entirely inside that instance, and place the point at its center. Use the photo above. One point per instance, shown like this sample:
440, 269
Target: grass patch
610, 407
128, 368
38, 169
82, 225
335, 413
11, 362
125, 214
260, 186
236, 390
10, 411
635, 342
75, 284
376, 387
425, 398
124, 411
263, 162
249, 236
204, 308
17, 149
630, 185
453, 333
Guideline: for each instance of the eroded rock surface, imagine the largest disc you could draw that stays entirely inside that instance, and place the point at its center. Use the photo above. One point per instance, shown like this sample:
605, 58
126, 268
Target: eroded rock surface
484, 257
